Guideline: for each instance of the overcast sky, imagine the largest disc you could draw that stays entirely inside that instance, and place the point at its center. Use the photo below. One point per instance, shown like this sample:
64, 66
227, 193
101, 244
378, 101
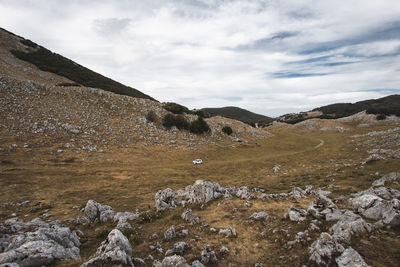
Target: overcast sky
270, 57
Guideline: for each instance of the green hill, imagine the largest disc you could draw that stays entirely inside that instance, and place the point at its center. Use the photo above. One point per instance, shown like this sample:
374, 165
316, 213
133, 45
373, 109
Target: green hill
46, 60
238, 114
389, 105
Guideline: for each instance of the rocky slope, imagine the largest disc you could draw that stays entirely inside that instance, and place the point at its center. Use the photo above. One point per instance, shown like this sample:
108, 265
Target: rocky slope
36, 109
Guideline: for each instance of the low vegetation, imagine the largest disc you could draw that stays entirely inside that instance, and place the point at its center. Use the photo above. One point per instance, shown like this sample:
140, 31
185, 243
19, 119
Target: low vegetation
389, 105
46, 60
227, 130
197, 126
238, 114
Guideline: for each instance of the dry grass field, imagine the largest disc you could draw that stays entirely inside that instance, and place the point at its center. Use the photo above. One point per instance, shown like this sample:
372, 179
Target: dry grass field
128, 178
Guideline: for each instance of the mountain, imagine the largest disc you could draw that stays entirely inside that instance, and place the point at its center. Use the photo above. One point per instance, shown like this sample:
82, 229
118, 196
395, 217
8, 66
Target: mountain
239, 114
388, 105
47, 60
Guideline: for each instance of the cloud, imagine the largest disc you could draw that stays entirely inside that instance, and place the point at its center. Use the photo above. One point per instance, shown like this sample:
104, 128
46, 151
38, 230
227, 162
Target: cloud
111, 26
271, 57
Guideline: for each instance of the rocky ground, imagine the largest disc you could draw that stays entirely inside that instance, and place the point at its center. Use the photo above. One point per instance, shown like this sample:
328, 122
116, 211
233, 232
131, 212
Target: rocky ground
325, 230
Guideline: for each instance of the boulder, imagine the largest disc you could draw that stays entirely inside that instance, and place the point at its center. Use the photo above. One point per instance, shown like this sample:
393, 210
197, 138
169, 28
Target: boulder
244, 193
188, 216
170, 234
178, 249
114, 251
372, 206
197, 263
324, 250
172, 261
165, 199
349, 225
388, 178
228, 232
207, 255
45, 243
260, 216
350, 258
96, 212
297, 215
204, 191
297, 193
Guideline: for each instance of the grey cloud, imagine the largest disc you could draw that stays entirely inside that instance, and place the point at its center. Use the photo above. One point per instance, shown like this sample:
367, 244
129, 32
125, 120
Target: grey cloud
386, 31
111, 26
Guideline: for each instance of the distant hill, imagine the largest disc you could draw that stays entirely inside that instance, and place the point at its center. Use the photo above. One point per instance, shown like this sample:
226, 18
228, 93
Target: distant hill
46, 60
239, 114
388, 105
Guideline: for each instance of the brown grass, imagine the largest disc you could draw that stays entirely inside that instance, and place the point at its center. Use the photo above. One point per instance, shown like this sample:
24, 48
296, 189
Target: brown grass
128, 178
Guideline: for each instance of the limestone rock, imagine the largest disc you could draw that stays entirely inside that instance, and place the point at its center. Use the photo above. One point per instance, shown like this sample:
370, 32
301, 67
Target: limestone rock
188, 216
170, 234
96, 212
165, 199
350, 258
197, 263
204, 191
228, 232
324, 250
297, 215
45, 243
114, 251
260, 216
244, 193
178, 249
207, 255
388, 178
175, 261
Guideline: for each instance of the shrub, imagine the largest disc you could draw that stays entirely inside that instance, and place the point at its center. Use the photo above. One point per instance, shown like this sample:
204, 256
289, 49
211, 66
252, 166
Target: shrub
29, 43
176, 108
381, 117
151, 116
199, 126
227, 130
178, 121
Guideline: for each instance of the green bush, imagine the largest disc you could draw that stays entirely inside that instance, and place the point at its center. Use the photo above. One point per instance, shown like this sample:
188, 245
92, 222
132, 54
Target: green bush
176, 108
199, 126
227, 130
151, 116
178, 121
381, 117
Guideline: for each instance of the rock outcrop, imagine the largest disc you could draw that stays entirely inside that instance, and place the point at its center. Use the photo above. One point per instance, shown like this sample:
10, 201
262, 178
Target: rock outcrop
350, 258
40, 245
96, 212
188, 216
165, 199
114, 251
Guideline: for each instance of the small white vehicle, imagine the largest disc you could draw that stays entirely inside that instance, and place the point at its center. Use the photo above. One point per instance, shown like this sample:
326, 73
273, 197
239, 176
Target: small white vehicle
197, 161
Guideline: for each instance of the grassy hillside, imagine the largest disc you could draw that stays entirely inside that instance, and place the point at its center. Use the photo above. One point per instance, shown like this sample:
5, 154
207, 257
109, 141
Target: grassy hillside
389, 105
46, 60
238, 114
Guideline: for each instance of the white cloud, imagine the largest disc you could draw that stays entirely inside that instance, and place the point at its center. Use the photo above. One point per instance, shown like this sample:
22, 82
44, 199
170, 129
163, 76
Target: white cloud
266, 56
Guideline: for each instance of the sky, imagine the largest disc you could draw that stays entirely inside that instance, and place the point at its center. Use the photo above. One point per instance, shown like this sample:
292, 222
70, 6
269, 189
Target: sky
270, 57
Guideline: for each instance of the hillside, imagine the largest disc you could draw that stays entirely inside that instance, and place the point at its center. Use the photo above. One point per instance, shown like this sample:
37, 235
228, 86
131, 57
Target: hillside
385, 106
47, 60
238, 114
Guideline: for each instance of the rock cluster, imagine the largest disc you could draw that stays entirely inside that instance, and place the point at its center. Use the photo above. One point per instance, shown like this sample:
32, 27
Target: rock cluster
40, 244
